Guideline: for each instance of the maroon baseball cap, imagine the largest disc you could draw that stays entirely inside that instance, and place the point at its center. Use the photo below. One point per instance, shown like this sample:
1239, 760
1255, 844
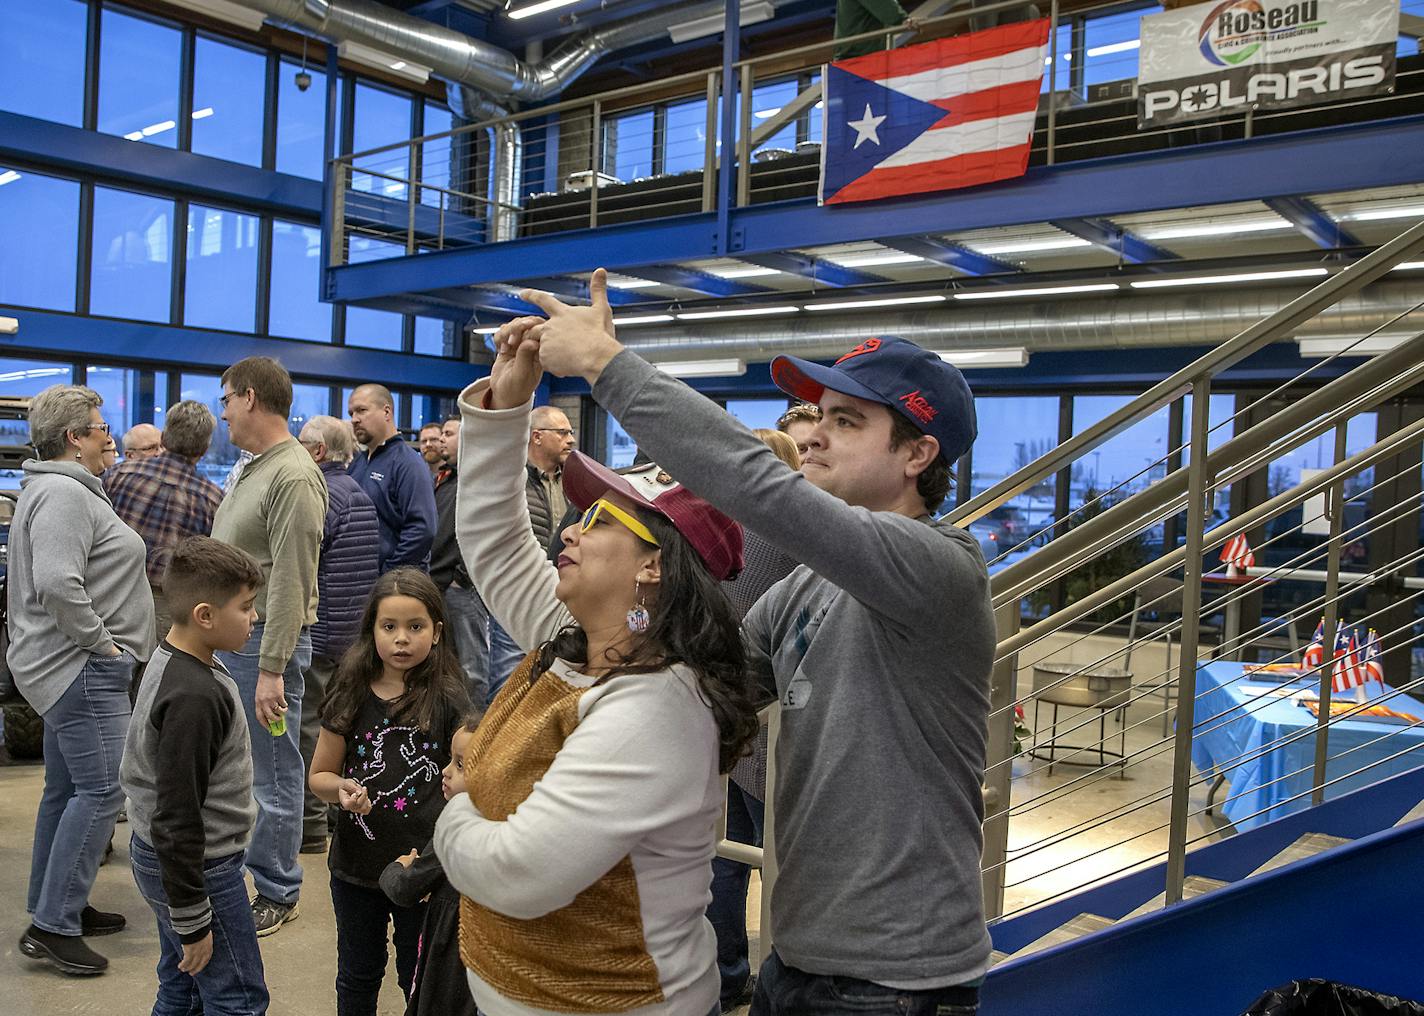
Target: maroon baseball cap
715, 537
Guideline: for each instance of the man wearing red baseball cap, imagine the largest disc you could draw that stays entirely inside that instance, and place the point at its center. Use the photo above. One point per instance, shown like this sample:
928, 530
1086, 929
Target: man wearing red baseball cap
879, 647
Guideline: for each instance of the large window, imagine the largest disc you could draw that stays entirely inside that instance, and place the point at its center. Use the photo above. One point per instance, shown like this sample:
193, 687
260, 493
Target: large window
381, 118
435, 337
767, 101
25, 378
1110, 46
222, 453
1058, 62
301, 122
295, 310
42, 59
307, 401
1013, 432
685, 137
756, 413
1123, 464
229, 90
40, 241
130, 396
138, 79
427, 409
628, 145
133, 239
437, 157
374, 329
221, 290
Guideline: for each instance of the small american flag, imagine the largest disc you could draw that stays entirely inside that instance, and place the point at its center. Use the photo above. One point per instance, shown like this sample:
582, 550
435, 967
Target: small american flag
1374, 669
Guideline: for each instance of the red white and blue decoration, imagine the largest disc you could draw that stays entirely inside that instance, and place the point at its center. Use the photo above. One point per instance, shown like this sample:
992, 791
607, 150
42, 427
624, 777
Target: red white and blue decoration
951, 113
1238, 556
1314, 654
1348, 672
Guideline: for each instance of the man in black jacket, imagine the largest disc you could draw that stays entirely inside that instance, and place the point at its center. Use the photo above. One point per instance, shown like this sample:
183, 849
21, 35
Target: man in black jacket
468, 618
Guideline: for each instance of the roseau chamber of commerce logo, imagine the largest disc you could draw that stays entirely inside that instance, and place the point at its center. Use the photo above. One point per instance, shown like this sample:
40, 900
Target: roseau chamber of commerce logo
1235, 30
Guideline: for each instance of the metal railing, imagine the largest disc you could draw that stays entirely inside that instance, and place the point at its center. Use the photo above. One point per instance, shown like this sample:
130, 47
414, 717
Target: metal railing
1048, 834
651, 151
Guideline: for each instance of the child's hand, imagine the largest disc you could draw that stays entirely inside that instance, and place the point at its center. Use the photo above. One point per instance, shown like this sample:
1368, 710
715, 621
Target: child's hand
196, 955
406, 860
353, 797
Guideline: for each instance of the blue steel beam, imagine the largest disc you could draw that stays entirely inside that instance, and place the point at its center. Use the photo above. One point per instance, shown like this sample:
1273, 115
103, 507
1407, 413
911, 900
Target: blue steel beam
197, 349
1307, 217
105, 158
1355, 156
1111, 237
827, 273
577, 289
961, 259
698, 282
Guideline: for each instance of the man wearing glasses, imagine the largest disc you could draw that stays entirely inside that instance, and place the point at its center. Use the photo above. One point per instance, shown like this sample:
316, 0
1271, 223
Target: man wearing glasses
551, 441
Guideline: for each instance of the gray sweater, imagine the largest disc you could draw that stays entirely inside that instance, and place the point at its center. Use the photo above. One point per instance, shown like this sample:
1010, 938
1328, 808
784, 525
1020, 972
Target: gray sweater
77, 583
879, 646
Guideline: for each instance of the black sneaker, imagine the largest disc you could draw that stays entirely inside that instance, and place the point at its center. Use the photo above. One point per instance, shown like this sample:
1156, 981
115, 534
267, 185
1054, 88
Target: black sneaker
269, 915
66, 953
315, 845
96, 922
744, 997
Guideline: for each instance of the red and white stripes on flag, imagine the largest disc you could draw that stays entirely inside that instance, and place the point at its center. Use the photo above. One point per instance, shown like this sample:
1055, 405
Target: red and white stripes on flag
1314, 654
1349, 672
1374, 667
986, 84
1237, 552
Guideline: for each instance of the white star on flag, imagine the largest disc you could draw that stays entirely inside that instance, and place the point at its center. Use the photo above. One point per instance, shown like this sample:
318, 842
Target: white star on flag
865, 128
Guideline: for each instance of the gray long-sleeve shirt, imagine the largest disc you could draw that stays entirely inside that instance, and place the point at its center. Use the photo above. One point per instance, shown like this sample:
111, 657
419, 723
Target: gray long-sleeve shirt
77, 583
880, 647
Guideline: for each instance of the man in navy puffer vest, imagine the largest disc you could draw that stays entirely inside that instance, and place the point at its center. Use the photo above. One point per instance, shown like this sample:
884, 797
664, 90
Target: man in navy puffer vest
347, 570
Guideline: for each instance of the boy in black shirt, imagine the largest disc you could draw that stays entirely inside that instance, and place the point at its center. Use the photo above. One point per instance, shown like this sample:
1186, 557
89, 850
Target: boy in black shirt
187, 771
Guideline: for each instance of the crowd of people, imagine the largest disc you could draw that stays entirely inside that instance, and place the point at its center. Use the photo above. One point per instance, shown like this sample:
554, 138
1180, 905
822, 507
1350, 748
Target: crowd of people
500, 684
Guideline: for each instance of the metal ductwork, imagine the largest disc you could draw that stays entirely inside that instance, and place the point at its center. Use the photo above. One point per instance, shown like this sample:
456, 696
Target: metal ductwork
507, 163
1199, 319
463, 60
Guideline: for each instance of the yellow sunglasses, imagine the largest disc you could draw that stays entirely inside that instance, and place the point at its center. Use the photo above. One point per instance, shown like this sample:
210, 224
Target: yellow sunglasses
603, 506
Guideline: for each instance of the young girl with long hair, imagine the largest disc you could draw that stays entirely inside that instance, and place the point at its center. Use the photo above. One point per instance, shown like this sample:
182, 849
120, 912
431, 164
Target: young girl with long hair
583, 847
386, 726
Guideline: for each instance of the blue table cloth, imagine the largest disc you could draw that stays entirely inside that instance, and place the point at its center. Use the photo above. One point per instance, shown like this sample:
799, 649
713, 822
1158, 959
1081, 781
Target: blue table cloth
1236, 718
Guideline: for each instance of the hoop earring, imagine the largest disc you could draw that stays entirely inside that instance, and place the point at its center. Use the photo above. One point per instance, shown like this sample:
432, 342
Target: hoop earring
638, 617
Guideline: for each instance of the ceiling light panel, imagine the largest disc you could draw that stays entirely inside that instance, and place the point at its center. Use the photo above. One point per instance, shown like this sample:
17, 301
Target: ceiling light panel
1213, 280
1009, 294
888, 301
735, 312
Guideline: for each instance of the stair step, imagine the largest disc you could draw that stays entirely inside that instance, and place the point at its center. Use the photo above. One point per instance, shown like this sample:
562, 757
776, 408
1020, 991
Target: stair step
1192, 886
996, 957
1306, 846
1083, 924
1415, 813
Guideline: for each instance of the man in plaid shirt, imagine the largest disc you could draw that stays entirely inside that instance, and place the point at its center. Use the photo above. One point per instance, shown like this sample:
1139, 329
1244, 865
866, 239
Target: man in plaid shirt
164, 499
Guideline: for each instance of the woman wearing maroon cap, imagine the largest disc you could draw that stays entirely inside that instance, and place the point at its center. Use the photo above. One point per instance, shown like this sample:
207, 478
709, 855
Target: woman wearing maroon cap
583, 849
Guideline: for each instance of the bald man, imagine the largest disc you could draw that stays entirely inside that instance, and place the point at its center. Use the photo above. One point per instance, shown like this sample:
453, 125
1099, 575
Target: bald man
395, 477
142, 442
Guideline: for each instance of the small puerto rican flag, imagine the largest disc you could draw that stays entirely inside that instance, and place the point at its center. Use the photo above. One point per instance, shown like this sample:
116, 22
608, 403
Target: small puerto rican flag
1237, 555
1314, 654
954, 112
1374, 669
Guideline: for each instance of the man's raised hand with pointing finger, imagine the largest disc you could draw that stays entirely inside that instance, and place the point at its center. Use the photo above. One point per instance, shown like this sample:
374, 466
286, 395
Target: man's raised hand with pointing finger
574, 340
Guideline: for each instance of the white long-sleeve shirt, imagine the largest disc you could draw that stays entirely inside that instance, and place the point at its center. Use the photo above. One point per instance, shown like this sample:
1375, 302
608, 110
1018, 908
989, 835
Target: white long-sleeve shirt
635, 778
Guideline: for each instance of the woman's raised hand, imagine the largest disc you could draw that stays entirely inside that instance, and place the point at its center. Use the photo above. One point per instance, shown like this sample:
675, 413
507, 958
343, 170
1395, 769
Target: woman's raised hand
575, 340
516, 371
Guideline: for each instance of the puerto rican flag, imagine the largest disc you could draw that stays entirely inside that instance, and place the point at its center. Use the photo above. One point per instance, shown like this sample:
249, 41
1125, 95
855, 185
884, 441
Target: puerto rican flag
955, 112
1314, 654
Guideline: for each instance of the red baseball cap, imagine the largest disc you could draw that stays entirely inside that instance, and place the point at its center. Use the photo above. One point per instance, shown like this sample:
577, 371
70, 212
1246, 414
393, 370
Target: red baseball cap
715, 537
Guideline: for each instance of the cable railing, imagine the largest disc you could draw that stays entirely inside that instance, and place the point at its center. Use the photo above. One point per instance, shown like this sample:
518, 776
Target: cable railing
1051, 831
646, 151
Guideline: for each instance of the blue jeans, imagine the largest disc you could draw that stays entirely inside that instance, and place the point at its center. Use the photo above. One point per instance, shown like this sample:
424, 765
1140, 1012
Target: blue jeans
728, 910
786, 991
233, 983
468, 621
278, 775
84, 735
505, 656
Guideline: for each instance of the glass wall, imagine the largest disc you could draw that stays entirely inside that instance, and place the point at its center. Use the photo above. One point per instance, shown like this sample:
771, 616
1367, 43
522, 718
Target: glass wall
222, 453
139, 63
221, 286
628, 146
133, 239
757, 412
301, 121
1110, 45
40, 242
130, 396
42, 59
381, 118
1013, 431
436, 337
373, 329
685, 136
437, 157
229, 97
295, 310
308, 401
25, 378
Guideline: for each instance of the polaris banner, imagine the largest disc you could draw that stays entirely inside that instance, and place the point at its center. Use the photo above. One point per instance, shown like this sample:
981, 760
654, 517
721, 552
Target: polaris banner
1217, 59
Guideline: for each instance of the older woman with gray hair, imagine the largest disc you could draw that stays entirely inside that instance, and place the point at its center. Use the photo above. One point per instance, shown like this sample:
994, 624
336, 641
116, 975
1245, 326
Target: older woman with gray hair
80, 619
346, 571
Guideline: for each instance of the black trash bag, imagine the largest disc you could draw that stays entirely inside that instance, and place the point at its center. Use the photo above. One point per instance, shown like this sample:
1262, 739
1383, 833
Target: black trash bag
1316, 997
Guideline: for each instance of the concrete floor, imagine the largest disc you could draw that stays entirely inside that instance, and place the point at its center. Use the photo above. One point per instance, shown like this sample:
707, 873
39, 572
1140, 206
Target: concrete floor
300, 958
